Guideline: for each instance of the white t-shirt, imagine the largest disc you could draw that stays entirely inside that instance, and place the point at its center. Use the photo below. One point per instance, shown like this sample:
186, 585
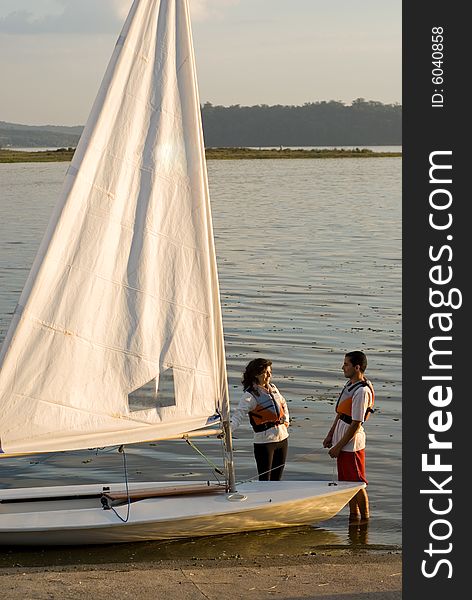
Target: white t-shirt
248, 403
361, 401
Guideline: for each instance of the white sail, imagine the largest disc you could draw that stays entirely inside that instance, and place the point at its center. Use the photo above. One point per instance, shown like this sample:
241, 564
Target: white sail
123, 292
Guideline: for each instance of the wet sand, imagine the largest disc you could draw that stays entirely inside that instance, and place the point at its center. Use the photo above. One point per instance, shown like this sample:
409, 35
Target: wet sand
340, 575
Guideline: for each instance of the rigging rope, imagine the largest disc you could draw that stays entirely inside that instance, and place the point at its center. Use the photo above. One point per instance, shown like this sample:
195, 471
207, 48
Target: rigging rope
215, 468
125, 467
314, 451
259, 474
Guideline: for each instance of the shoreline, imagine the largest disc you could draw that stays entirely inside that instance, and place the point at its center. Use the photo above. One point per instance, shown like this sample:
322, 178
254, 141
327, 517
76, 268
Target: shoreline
325, 574
66, 154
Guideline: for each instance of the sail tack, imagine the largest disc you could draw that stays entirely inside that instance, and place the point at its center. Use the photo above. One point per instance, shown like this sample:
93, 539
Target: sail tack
122, 298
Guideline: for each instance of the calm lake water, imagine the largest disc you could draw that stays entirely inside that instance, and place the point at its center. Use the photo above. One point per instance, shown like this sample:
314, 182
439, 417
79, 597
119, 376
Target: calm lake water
309, 256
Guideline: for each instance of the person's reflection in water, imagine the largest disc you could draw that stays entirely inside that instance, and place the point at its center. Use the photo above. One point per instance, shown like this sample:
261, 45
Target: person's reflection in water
358, 532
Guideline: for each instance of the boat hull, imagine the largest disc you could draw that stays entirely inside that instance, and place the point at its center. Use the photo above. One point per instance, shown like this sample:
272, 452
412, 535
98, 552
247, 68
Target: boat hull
74, 515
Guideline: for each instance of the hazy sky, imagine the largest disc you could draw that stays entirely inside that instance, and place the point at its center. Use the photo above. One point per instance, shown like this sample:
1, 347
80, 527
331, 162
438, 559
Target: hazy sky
53, 53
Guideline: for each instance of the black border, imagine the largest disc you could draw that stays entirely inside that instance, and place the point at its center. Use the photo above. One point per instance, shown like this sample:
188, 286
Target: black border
428, 128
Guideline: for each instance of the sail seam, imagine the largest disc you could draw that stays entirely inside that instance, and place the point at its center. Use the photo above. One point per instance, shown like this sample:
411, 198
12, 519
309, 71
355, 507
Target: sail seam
131, 224
63, 331
176, 179
19, 310
186, 60
117, 416
154, 107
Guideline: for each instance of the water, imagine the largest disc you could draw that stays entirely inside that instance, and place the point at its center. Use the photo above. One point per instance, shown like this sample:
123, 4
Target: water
35, 148
309, 257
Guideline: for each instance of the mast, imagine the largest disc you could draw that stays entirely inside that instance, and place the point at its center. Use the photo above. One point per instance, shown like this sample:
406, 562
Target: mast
228, 440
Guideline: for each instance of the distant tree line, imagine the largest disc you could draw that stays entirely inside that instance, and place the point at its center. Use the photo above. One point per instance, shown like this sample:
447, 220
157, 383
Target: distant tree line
331, 123
313, 124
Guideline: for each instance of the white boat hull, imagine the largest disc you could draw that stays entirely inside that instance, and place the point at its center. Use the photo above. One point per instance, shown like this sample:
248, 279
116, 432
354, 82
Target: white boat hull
74, 515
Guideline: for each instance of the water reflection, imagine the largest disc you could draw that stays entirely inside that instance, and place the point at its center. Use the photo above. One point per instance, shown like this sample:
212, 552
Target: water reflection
358, 533
268, 543
291, 541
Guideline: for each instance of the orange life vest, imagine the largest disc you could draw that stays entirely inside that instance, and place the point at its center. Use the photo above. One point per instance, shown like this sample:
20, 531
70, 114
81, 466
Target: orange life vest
268, 413
344, 406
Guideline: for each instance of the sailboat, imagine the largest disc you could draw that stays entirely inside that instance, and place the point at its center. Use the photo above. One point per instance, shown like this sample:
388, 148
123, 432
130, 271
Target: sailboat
117, 337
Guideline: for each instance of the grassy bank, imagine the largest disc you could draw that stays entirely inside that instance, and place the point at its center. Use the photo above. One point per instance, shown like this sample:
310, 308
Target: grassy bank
18, 156
65, 154
244, 153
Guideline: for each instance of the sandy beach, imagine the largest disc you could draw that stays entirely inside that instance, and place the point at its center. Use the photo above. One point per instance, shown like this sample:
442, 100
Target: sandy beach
343, 575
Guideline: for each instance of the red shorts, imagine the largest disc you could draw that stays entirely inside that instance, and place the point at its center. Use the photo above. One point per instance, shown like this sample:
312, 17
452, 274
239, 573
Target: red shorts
351, 466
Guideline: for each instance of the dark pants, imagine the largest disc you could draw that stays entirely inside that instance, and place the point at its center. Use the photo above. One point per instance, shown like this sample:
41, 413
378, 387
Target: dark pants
270, 459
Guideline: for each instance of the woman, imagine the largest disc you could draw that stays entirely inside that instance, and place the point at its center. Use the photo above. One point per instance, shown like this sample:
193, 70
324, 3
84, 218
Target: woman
268, 415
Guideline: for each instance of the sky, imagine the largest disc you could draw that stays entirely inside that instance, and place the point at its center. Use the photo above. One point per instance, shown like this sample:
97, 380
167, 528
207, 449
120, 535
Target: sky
53, 53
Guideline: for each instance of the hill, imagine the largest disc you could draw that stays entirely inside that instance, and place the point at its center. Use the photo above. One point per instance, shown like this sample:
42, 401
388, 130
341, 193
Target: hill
15, 135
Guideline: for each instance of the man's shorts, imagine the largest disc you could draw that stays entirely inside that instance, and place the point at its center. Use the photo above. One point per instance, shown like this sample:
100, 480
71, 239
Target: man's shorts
351, 466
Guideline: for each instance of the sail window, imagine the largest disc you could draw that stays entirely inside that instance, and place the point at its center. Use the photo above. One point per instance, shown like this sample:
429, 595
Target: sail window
157, 393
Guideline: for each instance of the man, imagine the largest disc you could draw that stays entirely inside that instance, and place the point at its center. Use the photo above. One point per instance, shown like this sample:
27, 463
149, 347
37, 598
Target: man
346, 438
